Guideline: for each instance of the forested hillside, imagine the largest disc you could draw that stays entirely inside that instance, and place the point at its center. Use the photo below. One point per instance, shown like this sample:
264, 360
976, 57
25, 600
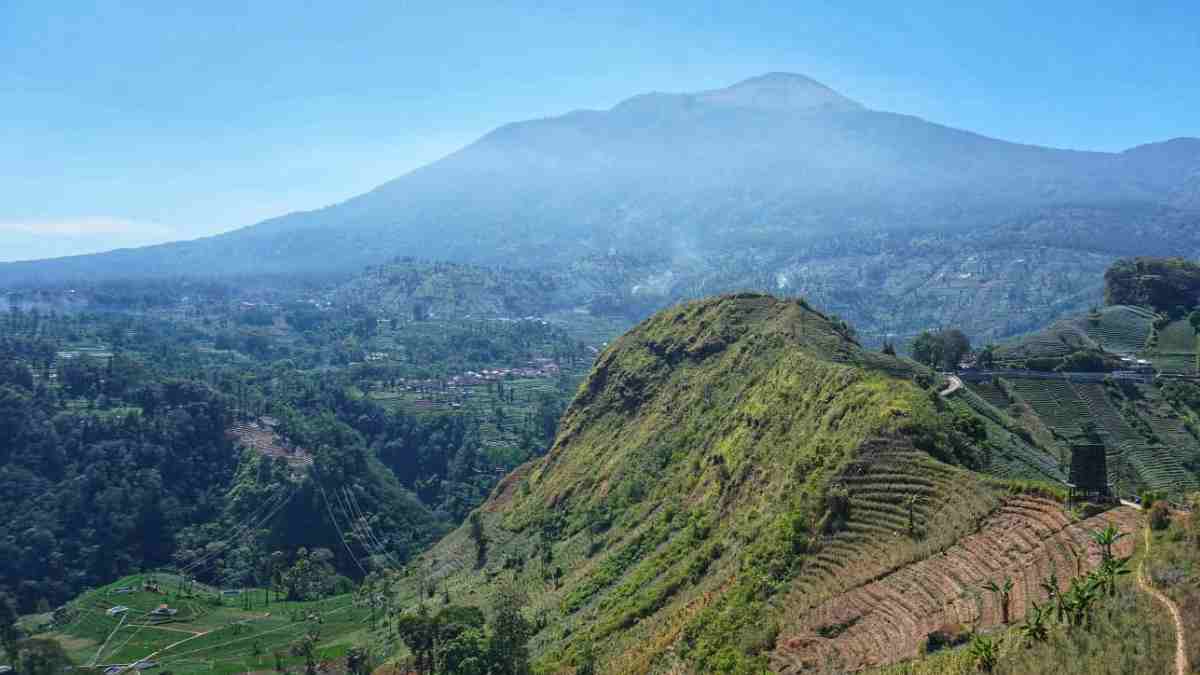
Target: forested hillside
213, 434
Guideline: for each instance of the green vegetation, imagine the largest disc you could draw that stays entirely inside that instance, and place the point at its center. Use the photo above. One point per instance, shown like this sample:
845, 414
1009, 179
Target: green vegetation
209, 631
1173, 566
1170, 285
693, 481
943, 349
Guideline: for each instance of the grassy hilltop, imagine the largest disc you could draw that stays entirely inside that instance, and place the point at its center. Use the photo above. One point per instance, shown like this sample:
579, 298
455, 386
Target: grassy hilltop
697, 474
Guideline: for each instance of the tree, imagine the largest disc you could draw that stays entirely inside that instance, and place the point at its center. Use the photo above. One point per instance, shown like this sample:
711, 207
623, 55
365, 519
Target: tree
508, 649
358, 661
40, 656
480, 538
943, 349
987, 357
10, 635
926, 348
955, 345
1160, 515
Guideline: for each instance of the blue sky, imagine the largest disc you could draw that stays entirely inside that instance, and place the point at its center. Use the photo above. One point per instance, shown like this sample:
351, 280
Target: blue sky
135, 122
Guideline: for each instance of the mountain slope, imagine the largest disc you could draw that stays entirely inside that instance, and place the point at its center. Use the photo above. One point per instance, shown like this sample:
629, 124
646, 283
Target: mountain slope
701, 476
776, 158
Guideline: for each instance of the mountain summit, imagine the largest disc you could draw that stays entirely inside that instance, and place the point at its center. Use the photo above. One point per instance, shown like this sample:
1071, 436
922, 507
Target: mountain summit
779, 91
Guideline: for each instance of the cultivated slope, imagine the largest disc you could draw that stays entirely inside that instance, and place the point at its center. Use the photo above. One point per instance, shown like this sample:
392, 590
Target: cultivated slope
728, 465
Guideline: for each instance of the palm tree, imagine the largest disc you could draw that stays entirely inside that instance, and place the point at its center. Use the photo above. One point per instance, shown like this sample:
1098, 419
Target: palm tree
1003, 593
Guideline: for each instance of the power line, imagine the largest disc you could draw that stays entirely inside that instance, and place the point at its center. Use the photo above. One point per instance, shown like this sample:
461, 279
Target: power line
336, 527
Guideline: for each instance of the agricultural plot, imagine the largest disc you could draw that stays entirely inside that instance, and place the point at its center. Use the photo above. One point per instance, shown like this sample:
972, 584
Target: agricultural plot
1175, 364
1154, 465
1177, 337
889, 618
991, 393
1056, 341
1175, 349
1011, 457
947, 503
1120, 329
1055, 401
1173, 434
117, 626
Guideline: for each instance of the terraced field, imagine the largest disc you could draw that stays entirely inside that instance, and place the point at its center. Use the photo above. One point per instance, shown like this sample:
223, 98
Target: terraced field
1175, 364
1156, 466
1120, 329
1177, 337
1173, 434
949, 502
1055, 401
1012, 457
991, 393
887, 619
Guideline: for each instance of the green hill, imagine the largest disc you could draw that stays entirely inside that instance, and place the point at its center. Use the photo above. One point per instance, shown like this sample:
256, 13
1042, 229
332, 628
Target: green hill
720, 458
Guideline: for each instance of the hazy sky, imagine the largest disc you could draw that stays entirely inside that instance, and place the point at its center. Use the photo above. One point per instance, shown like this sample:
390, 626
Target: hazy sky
135, 122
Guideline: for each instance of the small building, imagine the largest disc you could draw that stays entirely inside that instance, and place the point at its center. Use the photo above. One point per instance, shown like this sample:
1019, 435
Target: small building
119, 609
163, 610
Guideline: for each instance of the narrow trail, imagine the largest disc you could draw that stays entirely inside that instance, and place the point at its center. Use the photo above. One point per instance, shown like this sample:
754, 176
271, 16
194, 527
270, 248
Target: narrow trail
954, 385
1181, 658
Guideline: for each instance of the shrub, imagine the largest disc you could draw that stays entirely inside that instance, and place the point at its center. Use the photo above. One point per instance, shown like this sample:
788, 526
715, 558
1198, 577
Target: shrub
1160, 516
947, 635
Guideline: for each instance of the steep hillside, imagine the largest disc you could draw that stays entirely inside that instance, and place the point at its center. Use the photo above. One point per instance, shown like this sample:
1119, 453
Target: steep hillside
727, 467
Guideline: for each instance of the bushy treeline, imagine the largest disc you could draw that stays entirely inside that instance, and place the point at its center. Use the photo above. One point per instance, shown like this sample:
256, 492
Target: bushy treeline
90, 495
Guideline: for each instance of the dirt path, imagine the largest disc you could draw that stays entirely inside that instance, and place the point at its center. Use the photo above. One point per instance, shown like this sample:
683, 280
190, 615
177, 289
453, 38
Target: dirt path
955, 385
1181, 659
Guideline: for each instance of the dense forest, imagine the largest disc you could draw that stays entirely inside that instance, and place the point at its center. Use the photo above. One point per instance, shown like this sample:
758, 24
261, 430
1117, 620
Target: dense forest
119, 412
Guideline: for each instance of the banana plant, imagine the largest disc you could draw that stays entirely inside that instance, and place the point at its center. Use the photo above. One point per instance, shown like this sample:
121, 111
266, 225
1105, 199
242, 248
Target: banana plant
1003, 594
1106, 539
1034, 629
986, 653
